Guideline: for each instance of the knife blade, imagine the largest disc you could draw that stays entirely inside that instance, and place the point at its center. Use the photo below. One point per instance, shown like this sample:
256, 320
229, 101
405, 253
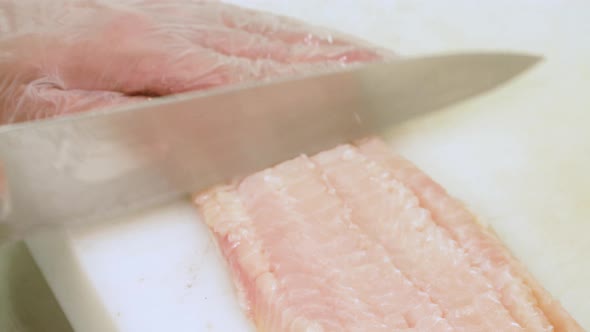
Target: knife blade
102, 164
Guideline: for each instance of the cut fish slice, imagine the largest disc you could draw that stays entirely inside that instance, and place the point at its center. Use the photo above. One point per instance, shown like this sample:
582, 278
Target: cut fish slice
358, 239
519, 290
303, 264
391, 215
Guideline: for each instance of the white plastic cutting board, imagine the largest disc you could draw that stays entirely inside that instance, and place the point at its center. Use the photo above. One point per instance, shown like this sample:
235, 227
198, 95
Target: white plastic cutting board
519, 157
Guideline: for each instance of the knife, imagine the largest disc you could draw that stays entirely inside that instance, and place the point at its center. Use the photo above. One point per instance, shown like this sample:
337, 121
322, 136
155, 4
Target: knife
98, 165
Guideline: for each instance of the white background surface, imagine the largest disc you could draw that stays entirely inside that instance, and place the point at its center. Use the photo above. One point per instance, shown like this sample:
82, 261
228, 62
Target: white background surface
518, 157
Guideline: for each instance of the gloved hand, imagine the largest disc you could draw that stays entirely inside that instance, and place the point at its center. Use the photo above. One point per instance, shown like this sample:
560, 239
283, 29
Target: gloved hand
60, 57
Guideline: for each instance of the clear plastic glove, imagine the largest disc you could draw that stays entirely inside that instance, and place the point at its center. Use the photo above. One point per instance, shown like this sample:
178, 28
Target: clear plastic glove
59, 57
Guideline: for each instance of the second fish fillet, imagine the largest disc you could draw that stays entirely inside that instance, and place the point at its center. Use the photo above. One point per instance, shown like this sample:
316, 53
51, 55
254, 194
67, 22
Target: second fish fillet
356, 238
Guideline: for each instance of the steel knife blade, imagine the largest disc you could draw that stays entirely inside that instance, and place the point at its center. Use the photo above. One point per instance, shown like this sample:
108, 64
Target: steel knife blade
101, 164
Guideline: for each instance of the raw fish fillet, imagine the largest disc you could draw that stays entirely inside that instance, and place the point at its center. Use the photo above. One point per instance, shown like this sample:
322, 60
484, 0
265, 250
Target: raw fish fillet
68, 56
507, 274
358, 239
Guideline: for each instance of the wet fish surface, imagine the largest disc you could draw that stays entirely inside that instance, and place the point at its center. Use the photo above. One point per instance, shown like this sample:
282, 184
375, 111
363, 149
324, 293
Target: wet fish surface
357, 238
